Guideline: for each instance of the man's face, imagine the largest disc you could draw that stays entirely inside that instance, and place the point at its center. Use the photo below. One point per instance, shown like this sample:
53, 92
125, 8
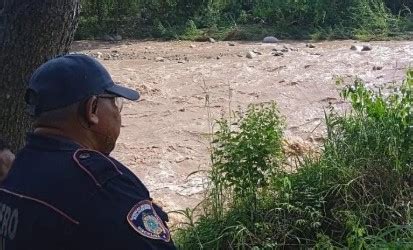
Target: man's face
6, 160
109, 123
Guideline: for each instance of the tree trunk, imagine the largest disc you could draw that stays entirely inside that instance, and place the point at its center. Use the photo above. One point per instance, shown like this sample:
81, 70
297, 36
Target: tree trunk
31, 31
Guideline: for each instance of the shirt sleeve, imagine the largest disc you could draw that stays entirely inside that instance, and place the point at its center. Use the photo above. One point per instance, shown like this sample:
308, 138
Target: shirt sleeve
121, 215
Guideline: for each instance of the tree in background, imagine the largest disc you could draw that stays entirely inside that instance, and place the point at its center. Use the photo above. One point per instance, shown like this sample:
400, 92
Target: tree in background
293, 18
398, 6
30, 33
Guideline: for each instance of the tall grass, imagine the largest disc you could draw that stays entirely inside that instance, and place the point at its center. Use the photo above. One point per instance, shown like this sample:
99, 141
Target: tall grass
357, 193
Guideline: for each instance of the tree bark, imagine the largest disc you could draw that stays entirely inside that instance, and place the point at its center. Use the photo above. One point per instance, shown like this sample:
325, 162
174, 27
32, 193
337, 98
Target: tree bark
31, 31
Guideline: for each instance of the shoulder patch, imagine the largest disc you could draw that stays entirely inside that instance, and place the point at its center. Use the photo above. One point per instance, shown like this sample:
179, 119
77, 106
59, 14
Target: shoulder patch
144, 220
96, 165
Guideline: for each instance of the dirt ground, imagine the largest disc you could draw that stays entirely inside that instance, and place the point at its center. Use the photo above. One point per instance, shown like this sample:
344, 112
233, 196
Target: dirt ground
165, 136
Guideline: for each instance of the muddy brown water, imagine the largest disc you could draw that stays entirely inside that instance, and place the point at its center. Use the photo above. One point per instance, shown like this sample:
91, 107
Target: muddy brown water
165, 136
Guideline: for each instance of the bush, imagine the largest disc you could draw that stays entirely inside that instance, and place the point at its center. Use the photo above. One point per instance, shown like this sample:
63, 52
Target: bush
191, 32
247, 158
357, 193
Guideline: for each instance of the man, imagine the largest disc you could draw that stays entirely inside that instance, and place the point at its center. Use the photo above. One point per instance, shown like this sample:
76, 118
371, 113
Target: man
6, 160
64, 190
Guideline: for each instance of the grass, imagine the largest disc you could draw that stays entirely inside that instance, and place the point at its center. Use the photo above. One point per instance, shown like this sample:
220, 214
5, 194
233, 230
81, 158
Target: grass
357, 193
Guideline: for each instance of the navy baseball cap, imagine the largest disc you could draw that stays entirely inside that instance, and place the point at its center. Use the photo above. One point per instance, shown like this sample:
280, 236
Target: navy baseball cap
68, 79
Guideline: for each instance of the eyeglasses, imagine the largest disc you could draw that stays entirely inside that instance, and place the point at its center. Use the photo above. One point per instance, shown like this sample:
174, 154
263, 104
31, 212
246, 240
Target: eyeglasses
117, 100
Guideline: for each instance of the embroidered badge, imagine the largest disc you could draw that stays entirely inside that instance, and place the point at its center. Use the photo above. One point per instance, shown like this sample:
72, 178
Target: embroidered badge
146, 222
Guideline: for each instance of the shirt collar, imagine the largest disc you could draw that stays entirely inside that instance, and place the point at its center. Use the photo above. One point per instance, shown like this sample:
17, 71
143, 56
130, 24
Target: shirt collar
52, 143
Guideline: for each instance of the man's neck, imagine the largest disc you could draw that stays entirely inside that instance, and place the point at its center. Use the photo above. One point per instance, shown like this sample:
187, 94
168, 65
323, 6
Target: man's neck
58, 132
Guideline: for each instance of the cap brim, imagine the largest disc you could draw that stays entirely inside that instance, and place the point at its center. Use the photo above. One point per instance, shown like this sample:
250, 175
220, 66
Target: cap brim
124, 92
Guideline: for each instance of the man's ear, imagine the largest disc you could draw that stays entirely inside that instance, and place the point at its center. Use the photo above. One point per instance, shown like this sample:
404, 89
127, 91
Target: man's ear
91, 108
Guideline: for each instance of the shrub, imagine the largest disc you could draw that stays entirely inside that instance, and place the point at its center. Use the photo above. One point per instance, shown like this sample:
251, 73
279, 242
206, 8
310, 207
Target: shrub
357, 193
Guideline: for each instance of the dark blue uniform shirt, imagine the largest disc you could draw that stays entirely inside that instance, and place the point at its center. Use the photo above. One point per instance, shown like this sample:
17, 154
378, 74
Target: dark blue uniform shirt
61, 196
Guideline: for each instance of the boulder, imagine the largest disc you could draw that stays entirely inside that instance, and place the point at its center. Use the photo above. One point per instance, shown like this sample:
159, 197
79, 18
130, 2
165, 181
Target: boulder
108, 38
353, 47
270, 39
159, 59
361, 48
366, 48
117, 37
250, 55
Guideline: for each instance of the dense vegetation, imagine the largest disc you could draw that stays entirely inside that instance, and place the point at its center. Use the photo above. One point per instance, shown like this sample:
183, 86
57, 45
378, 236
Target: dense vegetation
251, 19
356, 193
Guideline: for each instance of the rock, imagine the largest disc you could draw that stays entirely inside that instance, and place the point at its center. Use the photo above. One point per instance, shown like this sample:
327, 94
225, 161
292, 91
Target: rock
218, 57
192, 46
284, 50
257, 52
270, 39
361, 48
239, 55
278, 54
366, 48
180, 159
160, 59
99, 54
250, 55
108, 38
231, 44
117, 37
377, 68
180, 61
211, 40
182, 110
310, 45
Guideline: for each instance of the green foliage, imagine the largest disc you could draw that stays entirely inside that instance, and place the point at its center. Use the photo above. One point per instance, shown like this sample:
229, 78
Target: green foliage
248, 157
286, 18
357, 193
243, 158
191, 31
